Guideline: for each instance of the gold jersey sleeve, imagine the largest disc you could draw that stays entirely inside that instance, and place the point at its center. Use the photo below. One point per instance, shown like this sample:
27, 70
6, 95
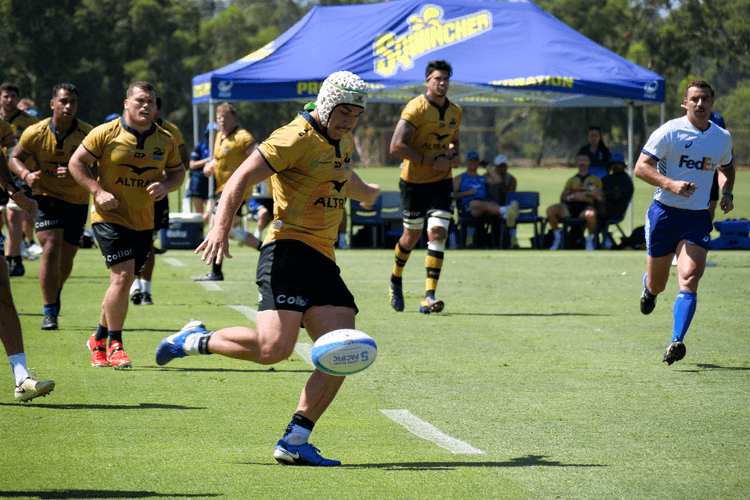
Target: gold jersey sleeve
128, 163
175, 131
434, 130
229, 154
47, 151
586, 185
309, 185
20, 122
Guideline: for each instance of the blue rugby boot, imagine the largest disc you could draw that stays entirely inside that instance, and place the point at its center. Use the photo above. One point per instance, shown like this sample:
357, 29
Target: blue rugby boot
174, 346
304, 454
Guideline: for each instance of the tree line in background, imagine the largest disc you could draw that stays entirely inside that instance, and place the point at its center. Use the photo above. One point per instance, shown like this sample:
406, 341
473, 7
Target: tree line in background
103, 45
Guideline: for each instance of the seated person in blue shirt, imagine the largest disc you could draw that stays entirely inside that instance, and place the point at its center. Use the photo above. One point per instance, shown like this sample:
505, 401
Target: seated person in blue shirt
618, 190
470, 192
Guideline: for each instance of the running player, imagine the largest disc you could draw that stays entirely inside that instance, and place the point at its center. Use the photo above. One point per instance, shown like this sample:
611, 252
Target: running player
231, 147
680, 158
10, 326
426, 139
19, 120
41, 161
309, 165
139, 163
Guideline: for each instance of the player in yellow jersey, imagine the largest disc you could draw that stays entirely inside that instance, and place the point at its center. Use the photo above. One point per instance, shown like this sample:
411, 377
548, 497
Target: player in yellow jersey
139, 163
41, 161
19, 222
232, 146
310, 170
426, 139
140, 290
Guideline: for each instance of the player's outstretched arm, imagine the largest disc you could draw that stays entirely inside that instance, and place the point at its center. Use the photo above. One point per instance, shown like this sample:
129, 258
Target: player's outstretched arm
359, 190
253, 170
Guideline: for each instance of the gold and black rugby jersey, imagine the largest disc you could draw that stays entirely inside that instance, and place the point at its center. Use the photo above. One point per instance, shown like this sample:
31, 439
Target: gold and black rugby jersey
128, 163
435, 127
229, 154
310, 184
47, 150
20, 122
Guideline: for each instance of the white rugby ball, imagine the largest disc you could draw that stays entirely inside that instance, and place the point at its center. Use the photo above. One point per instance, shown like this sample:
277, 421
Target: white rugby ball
343, 352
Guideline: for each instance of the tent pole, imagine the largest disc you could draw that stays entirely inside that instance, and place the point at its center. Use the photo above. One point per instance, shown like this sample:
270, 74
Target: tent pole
630, 163
211, 140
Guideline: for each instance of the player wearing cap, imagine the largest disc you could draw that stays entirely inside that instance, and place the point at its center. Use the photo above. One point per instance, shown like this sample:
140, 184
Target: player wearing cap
500, 182
617, 187
470, 191
426, 139
680, 158
308, 164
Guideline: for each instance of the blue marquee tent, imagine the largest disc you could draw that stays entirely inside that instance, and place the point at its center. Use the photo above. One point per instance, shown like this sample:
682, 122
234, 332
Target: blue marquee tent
502, 53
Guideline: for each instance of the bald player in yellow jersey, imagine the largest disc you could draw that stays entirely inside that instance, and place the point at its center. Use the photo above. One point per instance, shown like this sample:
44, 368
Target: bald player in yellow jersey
19, 222
232, 146
309, 163
426, 139
139, 163
41, 161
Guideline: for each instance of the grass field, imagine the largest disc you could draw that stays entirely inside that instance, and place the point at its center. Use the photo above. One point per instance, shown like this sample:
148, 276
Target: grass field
540, 379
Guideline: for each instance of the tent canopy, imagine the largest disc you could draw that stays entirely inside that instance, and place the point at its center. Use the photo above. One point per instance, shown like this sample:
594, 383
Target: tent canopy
502, 54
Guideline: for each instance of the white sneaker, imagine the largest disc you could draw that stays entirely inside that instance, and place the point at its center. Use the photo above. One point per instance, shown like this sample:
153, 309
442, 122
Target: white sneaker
557, 243
590, 242
35, 249
512, 214
31, 389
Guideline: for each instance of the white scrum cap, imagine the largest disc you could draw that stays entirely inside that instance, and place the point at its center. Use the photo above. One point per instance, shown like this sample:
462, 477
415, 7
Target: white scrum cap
341, 87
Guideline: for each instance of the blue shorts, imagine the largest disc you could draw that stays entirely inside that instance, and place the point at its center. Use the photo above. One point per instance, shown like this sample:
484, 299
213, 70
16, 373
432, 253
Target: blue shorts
666, 226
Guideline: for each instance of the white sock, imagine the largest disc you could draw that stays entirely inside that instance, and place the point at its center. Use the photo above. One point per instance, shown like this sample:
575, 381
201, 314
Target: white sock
145, 286
503, 211
257, 232
298, 436
136, 286
192, 343
18, 364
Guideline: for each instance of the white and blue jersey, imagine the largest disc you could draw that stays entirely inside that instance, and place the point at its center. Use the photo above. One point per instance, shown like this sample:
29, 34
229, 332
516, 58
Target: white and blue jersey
685, 153
478, 182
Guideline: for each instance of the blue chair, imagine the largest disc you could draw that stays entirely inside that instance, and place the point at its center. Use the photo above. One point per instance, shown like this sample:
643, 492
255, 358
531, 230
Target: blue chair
365, 218
528, 206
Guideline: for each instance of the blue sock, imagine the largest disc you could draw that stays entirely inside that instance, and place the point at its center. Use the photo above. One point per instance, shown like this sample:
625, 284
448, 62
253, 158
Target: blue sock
50, 309
684, 309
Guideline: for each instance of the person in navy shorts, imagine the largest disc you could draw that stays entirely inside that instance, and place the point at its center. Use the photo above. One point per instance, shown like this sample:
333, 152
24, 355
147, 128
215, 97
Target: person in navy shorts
679, 159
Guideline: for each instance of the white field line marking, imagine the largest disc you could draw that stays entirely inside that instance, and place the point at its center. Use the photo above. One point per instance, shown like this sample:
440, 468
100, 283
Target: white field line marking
304, 349
210, 286
429, 432
174, 262
249, 312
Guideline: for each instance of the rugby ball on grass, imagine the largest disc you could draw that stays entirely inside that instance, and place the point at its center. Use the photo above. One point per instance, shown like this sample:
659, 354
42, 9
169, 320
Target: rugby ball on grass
343, 352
